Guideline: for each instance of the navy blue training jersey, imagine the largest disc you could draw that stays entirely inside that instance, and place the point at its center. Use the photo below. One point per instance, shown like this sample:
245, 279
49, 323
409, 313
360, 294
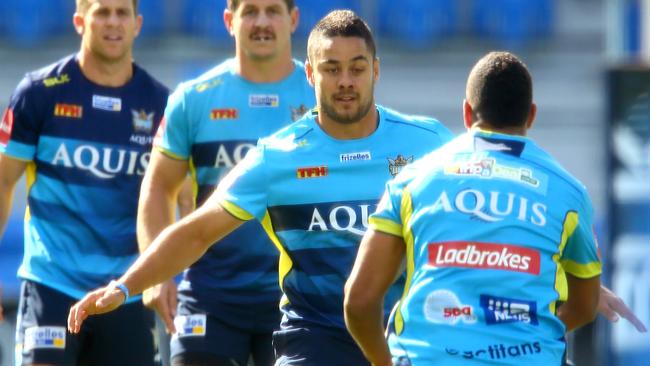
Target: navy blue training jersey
87, 147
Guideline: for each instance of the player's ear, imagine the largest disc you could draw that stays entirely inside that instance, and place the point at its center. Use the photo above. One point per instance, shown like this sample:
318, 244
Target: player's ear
78, 23
295, 18
375, 69
138, 24
227, 20
309, 70
468, 114
531, 116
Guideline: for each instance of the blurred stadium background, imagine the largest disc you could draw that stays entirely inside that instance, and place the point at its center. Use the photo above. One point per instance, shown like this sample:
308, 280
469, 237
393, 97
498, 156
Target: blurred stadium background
589, 62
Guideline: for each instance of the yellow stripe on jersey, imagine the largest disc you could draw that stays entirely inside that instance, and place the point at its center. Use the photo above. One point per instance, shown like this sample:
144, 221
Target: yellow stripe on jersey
286, 264
236, 211
581, 270
569, 226
385, 226
195, 182
169, 153
30, 179
406, 211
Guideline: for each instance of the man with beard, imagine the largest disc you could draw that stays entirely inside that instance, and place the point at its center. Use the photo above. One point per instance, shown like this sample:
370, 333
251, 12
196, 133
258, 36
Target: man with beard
228, 299
312, 185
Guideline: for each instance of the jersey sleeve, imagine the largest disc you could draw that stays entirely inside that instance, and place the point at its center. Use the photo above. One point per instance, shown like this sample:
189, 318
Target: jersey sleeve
21, 122
243, 192
581, 256
387, 218
173, 136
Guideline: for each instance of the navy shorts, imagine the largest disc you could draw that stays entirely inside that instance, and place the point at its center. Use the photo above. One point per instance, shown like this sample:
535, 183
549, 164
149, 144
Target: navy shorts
122, 337
316, 346
202, 339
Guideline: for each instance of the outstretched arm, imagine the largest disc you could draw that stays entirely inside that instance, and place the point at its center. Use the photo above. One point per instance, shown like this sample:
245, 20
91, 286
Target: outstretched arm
161, 189
375, 269
613, 307
178, 246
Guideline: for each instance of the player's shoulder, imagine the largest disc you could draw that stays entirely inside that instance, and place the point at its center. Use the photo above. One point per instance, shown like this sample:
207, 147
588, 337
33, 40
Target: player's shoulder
544, 160
149, 83
414, 124
210, 79
52, 76
291, 136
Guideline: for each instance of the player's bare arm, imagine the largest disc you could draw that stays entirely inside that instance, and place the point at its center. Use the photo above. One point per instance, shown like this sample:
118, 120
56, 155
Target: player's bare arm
160, 190
377, 264
582, 305
177, 247
10, 171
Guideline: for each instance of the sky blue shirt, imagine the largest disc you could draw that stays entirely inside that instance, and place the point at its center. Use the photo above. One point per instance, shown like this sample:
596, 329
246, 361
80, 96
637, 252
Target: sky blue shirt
314, 194
212, 122
492, 224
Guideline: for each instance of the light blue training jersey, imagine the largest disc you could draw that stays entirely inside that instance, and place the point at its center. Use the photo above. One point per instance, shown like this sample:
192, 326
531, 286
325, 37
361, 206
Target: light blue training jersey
313, 194
212, 122
492, 224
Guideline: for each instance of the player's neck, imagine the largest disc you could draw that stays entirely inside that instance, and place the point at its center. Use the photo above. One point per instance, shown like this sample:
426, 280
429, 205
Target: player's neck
483, 126
100, 72
265, 71
350, 131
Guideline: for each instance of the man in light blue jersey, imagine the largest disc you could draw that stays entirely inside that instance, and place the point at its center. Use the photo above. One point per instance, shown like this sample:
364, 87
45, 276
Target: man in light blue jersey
312, 185
228, 300
82, 129
500, 254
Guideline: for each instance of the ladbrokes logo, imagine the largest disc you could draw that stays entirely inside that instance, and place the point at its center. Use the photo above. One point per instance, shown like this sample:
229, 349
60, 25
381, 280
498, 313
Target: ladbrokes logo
484, 256
498, 351
312, 172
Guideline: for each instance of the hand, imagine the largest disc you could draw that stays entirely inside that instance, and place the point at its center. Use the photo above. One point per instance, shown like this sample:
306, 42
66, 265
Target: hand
611, 306
162, 299
100, 301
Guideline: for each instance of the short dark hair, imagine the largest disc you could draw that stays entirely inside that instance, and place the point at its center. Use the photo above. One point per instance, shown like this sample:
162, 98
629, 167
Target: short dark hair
82, 6
500, 90
233, 4
340, 23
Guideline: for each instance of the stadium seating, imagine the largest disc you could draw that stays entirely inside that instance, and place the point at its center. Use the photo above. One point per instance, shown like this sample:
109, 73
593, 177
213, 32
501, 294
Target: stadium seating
512, 23
28, 22
153, 12
312, 11
417, 23
204, 18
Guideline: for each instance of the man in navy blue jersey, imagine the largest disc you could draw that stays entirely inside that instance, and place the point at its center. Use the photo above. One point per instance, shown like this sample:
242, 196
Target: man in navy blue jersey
82, 129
